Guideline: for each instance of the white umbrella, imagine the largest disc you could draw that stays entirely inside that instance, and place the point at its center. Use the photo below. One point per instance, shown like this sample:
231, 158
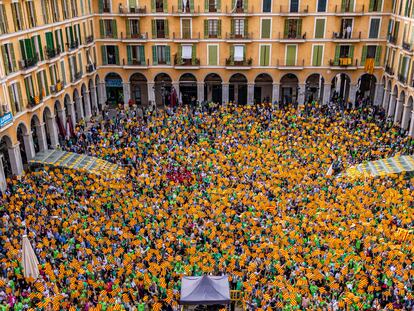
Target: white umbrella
330, 170
29, 260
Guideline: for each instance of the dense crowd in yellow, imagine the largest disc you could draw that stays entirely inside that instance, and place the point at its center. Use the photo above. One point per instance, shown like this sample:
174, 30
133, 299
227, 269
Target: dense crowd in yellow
255, 204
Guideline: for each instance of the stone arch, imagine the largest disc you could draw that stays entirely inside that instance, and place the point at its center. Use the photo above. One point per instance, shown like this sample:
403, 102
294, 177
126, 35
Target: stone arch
25, 143
187, 88
139, 89
162, 89
37, 135
213, 90
367, 86
93, 98
114, 89
47, 115
100, 93
6, 170
314, 87
238, 88
79, 113
289, 84
399, 108
263, 88
341, 85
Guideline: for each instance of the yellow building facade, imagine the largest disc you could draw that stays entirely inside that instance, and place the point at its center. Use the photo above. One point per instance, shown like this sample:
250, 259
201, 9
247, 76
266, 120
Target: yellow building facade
64, 60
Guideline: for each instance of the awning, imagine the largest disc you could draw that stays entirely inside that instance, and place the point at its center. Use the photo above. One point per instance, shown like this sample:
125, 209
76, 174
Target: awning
205, 290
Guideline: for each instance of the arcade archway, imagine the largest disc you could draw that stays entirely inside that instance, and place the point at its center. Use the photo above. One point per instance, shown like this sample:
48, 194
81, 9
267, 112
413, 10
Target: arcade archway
341, 85
263, 88
188, 88
114, 89
238, 89
367, 84
162, 89
289, 89
5, 163
139, 89
314, 87
213, 88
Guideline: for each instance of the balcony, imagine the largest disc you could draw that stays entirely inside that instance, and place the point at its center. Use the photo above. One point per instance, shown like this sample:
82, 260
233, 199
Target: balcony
33, 101
77, 76
349, 11
72, 45
239, 10
135, 62
344, 37
52, 53
282, 65
407, 46
89, 39
212, 9
239, 37
186, 37
28, 63
180, 62
106, 9
389, 70
90, 68
243, 64
292, 38
134, 36
402, 78
140, 10
343, 62
286, 10
54, 89
185, 11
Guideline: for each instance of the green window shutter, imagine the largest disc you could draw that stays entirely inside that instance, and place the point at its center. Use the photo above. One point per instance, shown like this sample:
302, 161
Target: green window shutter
166, 29
317, 55
104, 56
129, 54
154, 28
168, 55
19, 92
246, 27
266, 28
117, 55
264, 55
291, 55
39, 42
153, 6
39, 83
378, 53
218, 2
12, 102
141, 51
343, 5
206, 6
286, 32
180, 5
128, 30
212, 55
219, 28
351, 52
337, 54
100, 4
13, 57
3, 52
102, 28
245, 5
371, 5
154, 55
299, 27
232, 26
319, 28
192, 6
205, 28
364, 55
180, 51
22, 49
165, 5
49, 40
29, 48
233, 4
232, 51
114, 28
194, 52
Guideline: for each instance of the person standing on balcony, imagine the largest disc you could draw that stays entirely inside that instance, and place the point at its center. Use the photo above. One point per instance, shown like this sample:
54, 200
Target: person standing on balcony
348, 32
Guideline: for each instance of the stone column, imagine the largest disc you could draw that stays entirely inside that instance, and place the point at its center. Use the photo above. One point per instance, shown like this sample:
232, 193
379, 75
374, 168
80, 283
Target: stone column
386, 99
151, 93
250, 93
225, 93
398, 111
326, 93
52, 129
236, 94
176, 86
3, 184
29, 146
71, 113
379, 94
88, 110
95, 99
41, 136
391, 106
200, 92
406, 117
79, 109
275, 92
411, 130
127, 93
301, 93
102, 94
15, 159
352, 94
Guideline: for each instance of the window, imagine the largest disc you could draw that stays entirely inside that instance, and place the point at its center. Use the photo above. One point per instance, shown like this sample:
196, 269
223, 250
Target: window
110, 55
213, 55
239, 6
347, 5
404, 67
374, 28
9, 59
80, 63
371, 52
54, 77
136, 55
238, 27
161, 54
3, 20
293, 28
74, 6
133, 28
294, 5
407, 8
73, 68
63, 71
266, 28
344, 51
375, 5
55, 11
17, 16
38, 47
160, 28
31, 15
45, 11
238, 53
16, 98
267, 6
344, 55
321, 5
30, 93
108, 28
187, 51
319, 28
317, 55
291, 55
264, 55
160, 6
65, 9
346, 28
212, 28
186, 28
59, 39
42, 84
186, 6
104, 6
212, 5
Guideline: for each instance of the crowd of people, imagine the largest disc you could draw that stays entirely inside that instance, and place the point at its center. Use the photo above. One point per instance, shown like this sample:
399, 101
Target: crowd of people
240, 191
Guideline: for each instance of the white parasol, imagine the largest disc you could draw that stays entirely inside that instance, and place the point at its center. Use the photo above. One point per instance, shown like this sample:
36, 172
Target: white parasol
29, 260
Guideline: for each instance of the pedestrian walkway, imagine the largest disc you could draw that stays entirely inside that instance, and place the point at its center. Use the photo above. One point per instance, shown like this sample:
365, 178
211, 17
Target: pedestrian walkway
383, 167
76, 161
